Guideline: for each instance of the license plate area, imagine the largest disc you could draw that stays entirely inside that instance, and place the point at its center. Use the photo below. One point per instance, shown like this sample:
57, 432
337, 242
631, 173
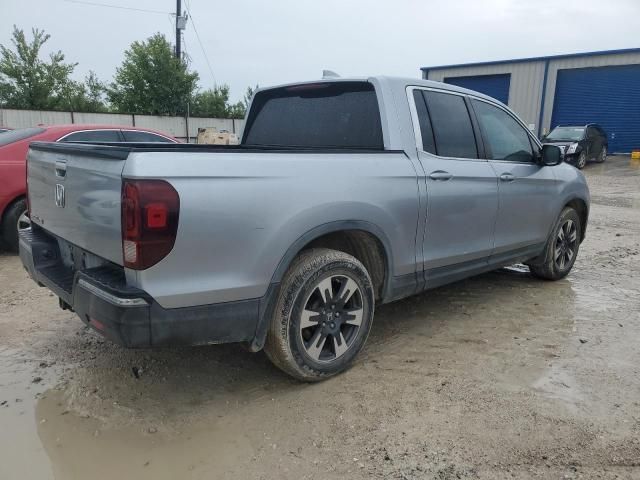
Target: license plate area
57, 262
76, 258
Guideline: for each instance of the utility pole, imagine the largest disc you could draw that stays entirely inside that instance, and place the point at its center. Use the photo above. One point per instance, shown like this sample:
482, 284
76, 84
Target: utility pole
180, 24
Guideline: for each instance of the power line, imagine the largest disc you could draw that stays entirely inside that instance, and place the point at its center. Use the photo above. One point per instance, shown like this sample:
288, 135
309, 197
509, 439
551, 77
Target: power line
107, 5
170, 19
185, 52
200, 42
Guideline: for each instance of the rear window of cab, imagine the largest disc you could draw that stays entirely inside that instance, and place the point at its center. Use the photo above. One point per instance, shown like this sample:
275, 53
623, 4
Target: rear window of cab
326, 114
13, 136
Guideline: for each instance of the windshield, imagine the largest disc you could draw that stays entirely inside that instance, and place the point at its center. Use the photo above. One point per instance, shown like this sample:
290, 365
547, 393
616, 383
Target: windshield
572, 134
15, 135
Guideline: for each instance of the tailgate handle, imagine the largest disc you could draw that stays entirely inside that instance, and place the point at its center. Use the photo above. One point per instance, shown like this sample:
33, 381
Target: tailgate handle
61, 169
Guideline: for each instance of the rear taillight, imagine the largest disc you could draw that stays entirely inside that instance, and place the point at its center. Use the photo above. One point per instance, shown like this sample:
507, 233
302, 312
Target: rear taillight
150, 211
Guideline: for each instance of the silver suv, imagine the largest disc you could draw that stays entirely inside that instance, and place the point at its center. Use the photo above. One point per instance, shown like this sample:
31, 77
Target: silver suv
344, 194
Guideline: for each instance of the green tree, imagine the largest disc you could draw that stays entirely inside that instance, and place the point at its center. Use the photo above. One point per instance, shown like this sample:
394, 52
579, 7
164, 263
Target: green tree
95, 92
248, 95
85, 97
26, 81
237, 110
211, 102
152, 80
215, 103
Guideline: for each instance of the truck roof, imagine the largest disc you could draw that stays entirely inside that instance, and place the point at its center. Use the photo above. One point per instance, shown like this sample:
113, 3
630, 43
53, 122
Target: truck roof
390, 81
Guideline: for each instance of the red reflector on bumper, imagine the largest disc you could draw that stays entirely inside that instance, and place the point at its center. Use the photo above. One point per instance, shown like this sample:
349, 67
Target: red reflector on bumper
96, 324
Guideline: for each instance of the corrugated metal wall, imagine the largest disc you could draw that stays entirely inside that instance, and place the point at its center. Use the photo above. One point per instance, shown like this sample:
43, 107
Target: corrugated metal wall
496, 86
579, 62
104, 118
176, 126
525, 90
601, 95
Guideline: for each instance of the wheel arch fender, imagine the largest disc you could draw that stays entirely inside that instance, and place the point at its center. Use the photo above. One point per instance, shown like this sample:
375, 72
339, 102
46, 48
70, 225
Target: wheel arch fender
267, 304
579, 202
333, 227
581, 206
11, 203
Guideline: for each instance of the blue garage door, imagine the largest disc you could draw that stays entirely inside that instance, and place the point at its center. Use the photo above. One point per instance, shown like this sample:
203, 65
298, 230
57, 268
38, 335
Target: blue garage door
496, 86
608, 96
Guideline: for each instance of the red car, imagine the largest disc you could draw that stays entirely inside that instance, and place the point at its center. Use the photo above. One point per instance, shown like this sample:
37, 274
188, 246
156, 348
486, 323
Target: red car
14, 145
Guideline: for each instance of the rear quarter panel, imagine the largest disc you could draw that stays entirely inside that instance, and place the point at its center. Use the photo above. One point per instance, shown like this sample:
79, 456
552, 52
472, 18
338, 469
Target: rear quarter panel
12, 173
13, 162
12, 185
241, 212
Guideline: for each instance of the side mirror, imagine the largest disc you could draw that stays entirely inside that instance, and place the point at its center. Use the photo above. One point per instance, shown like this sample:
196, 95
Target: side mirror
550, 155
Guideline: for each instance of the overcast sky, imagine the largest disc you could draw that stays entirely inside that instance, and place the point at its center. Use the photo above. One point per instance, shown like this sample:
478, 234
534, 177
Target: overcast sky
275, 41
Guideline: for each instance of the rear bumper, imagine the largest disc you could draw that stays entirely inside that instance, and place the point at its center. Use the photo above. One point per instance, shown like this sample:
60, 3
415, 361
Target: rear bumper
129, 316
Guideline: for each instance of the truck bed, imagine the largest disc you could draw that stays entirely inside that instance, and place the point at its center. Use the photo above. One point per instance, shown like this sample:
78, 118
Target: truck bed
89, 177
241, 208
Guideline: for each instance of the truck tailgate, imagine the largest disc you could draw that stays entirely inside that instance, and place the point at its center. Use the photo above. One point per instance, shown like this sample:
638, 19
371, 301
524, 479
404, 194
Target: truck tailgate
74, 192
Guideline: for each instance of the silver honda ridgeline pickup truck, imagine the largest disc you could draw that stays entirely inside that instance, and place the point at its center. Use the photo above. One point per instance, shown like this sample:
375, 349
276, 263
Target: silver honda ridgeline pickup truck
344, 194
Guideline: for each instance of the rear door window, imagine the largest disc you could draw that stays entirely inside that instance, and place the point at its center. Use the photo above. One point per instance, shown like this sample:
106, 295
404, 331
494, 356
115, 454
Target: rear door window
505, 138
327, 114
146, 137
426, 132
452, 128
93, 136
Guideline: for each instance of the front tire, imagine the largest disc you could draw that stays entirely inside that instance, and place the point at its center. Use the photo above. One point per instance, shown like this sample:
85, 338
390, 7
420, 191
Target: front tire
561, 248
15, 218
582, 160
322, 317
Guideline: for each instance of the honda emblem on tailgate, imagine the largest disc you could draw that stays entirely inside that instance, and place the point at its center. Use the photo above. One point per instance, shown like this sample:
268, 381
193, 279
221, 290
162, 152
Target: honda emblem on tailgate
59, 195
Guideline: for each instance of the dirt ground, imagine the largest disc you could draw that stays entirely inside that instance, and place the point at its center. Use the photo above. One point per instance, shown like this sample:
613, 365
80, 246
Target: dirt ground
499, 376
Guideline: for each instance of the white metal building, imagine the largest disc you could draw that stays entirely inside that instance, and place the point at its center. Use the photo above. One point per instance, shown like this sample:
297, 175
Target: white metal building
575, 89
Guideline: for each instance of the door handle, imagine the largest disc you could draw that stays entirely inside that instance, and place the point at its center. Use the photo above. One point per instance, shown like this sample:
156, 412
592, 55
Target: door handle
61, 169
440, 175
507, 177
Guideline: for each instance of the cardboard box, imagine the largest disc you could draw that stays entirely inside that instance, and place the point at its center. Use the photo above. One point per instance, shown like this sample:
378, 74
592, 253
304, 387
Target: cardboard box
211, 136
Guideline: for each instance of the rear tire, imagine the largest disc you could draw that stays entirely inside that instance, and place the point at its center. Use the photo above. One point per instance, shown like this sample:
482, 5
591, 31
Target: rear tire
14, 215
322, 316
561, 249
603, 155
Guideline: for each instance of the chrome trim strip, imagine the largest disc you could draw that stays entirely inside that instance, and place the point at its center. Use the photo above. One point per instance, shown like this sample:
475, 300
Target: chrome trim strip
171, 140
107, 297
118, 130
84, 130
